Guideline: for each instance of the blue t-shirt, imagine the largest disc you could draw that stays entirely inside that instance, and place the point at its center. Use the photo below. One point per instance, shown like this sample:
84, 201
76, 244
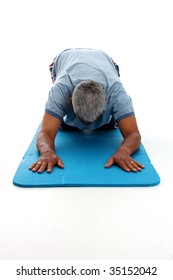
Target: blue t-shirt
73, 66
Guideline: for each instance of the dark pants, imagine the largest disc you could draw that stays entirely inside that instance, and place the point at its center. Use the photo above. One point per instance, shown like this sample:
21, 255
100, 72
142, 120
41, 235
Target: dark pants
110, 125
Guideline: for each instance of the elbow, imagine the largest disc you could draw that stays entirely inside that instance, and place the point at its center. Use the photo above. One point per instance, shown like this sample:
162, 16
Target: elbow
137, 137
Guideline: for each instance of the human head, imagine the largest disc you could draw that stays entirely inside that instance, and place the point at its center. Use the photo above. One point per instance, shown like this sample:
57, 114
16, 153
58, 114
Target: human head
88, 101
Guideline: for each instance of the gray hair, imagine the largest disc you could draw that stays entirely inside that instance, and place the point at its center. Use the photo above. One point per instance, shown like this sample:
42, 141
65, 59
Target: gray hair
88, 101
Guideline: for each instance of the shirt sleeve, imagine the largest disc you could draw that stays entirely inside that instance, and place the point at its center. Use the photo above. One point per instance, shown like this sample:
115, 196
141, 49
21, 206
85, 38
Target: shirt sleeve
122, 103
57, 103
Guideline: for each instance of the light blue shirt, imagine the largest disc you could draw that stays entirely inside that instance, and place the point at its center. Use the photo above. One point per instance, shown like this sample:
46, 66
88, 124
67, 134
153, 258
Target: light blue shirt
73, 66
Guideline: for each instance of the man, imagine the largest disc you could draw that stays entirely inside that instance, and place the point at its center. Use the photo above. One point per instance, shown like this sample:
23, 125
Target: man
87, 94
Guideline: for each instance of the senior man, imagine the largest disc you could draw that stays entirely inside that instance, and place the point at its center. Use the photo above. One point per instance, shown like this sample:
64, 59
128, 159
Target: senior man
87, 93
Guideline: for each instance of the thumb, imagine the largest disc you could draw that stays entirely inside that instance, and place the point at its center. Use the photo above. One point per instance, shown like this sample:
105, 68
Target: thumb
109, 163
60, 163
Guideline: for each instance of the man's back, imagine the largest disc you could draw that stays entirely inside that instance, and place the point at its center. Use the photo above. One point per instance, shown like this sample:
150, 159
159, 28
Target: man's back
85, 64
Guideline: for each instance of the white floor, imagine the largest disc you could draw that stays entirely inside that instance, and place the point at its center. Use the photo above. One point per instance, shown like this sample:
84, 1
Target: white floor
87, 223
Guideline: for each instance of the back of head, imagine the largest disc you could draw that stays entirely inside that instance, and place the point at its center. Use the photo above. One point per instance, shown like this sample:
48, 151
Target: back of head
88, 101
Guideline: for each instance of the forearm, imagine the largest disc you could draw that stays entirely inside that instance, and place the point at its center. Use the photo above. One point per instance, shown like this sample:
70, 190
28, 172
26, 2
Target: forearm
45, 143
132, 140
131, 143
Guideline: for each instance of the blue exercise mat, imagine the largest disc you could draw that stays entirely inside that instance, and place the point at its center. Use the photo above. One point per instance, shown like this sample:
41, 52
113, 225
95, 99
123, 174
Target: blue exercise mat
84, 155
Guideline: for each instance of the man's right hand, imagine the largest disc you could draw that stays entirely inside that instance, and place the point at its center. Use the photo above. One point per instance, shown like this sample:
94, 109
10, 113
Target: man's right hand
46, 161
45, 145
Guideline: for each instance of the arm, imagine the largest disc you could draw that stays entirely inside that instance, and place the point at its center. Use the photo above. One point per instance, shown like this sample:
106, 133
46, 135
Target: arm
131, 143
45, 145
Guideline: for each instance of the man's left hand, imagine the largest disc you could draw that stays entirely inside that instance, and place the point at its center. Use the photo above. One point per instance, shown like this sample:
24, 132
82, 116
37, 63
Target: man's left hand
123, 160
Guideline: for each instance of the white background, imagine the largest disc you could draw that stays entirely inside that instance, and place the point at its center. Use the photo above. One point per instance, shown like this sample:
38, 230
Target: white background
86, 223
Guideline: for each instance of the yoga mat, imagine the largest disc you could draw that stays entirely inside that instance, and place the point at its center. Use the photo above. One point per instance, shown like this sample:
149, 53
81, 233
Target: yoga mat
84, 155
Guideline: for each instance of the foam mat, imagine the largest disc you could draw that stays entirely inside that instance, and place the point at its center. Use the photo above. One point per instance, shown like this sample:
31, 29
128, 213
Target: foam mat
84, 155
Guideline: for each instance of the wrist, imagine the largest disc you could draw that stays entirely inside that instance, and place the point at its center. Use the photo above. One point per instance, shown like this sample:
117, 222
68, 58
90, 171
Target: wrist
48, 151
125, 149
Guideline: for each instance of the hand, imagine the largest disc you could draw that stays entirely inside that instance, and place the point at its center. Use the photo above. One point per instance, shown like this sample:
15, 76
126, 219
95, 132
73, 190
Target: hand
122, 158
46, 162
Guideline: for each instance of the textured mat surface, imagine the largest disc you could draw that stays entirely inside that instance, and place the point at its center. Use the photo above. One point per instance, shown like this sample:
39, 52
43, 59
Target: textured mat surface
84, 156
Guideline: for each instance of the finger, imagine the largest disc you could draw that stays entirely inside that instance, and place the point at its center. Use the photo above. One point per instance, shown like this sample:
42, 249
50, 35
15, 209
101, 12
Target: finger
35, 166
135, 166
109, 163
139, 164
124, 166
42, 167
60, 163
49, 167
132, 166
